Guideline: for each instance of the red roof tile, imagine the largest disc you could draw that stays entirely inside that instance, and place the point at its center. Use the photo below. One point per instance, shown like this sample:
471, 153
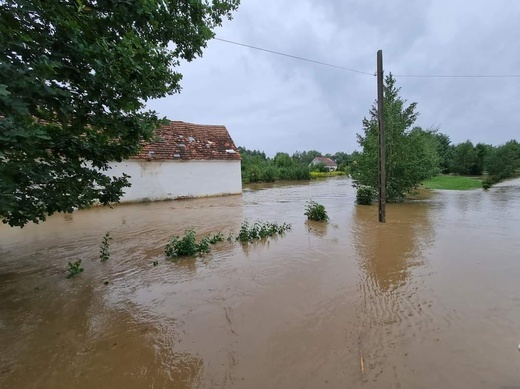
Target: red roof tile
187, 141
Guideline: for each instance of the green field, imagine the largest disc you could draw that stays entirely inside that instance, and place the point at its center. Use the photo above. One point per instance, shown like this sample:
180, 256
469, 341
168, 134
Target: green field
453, 183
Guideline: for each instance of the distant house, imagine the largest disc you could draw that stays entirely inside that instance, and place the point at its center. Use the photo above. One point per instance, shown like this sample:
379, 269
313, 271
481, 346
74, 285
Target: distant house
187, 160
331, 165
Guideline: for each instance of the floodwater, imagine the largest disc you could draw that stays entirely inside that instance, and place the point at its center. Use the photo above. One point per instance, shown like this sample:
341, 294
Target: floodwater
431, 299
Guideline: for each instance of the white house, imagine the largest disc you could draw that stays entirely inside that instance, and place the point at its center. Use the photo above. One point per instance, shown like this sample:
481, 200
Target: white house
329, 163
187, 160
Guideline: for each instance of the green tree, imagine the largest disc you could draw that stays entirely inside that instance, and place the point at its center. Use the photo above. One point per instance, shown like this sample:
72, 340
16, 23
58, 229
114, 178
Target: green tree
504, 160
445, 152
411, 154
464, 158
283, 160
482, 150
75, 76
305, 157
341, 158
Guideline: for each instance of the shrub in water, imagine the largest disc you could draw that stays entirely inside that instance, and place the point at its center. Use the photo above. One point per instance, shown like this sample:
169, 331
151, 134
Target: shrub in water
188, 246
104, 254
365, 195
74, 268
260, 230
315, 211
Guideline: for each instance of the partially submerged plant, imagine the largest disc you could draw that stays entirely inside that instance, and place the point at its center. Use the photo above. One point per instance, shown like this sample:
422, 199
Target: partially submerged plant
260, 230
188, 246
74, 268
218, 237
315, 211
365, 195
104, 254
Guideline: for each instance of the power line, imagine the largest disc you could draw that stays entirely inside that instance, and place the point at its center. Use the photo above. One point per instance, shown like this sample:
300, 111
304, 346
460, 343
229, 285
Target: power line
371, 74
295, 57
458, 75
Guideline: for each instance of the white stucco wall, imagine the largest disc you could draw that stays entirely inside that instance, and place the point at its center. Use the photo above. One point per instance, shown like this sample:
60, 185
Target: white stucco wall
161, 180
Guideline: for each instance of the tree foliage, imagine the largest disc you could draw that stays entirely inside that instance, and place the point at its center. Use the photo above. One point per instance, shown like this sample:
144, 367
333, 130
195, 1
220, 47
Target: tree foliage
74, 79
411, 153
504, 160
464, 159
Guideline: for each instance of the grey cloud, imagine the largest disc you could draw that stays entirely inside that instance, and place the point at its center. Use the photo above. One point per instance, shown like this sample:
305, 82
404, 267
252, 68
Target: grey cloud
280, 104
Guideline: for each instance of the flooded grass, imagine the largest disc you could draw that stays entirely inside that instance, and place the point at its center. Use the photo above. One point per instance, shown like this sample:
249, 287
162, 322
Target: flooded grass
428, 300
450, 182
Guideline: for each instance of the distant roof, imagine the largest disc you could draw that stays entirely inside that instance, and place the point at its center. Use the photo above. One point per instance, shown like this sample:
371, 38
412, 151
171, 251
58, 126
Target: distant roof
326, 161
186, 141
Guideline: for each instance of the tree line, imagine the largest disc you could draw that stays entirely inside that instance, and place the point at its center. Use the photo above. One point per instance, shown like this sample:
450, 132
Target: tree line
414, 154
257, 167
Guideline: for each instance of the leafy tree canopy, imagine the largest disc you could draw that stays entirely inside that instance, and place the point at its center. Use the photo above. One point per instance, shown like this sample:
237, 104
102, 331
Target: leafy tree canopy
75, 76
411, 153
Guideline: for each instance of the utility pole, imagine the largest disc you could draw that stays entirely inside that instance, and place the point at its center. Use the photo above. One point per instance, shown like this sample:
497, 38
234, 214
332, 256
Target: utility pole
382, 159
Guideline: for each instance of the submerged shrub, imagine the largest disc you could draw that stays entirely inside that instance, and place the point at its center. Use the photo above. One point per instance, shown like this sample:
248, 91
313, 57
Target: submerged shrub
260, 230
104, 254
74, 268
315, 211
490, 181
365, 195
188, 246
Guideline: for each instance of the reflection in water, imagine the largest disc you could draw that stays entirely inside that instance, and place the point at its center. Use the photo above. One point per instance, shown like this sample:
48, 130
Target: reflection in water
388, 251
317, 228
390, 312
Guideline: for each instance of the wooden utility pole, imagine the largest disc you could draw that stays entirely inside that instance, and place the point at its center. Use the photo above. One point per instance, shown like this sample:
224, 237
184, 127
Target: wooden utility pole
382, 160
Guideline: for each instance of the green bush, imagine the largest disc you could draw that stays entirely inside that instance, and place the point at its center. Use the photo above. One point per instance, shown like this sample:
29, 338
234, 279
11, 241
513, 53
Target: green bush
74, 268
315, 211
365, 195
294, 173
254, 174
188, 246
269, 173
260, 230
490, 181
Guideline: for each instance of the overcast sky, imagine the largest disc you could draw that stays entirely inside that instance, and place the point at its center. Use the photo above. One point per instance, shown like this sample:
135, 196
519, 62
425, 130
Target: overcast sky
274, 103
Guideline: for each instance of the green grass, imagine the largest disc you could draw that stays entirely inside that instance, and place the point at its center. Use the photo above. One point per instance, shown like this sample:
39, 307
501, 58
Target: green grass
453, 183
327, 174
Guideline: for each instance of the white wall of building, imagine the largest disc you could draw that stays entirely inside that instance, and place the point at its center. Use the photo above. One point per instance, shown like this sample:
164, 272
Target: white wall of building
162, 180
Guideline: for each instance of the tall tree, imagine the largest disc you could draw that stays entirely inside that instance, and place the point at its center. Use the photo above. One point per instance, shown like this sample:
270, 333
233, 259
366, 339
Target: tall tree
445, 151
411, 154
75, 76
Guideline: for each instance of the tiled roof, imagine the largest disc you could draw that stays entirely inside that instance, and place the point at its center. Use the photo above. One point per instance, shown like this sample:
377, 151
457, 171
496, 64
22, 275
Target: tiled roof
326, 161
186, 141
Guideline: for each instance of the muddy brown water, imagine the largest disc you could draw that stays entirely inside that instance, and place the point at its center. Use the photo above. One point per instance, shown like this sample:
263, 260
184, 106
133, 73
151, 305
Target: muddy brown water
431, 299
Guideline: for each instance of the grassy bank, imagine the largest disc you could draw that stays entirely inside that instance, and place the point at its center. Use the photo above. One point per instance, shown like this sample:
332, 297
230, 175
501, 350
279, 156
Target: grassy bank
327, 174
445, 182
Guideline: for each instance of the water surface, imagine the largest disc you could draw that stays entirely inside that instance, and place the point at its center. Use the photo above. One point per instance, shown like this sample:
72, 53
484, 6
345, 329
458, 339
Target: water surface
428, 300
